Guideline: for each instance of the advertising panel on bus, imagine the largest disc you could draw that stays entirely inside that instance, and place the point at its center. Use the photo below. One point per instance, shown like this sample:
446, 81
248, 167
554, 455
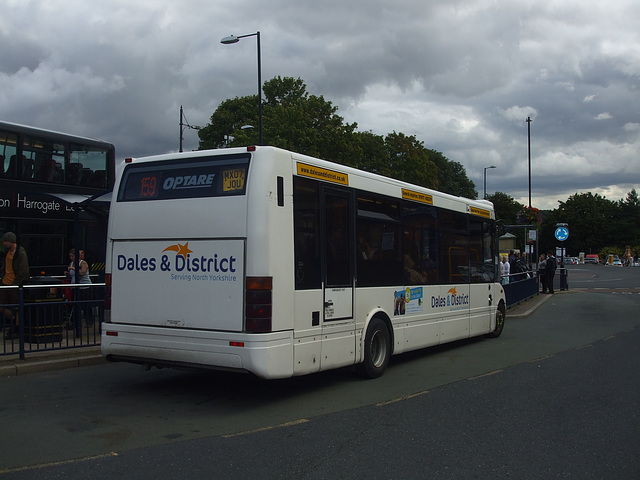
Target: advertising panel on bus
179, 283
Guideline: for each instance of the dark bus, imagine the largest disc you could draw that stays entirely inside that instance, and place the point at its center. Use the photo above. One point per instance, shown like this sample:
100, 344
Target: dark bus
54, 194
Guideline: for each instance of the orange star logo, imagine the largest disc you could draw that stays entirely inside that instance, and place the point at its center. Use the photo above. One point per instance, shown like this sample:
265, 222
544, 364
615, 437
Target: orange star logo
179, 249
452, 291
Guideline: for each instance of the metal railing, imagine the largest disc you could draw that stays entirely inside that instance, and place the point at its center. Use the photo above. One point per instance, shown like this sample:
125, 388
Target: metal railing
522, 286
52, 316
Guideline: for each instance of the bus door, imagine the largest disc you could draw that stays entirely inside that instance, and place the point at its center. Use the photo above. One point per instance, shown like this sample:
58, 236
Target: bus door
338, 344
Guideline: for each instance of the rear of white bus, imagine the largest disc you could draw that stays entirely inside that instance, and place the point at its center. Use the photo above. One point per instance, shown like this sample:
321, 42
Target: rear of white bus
181, 289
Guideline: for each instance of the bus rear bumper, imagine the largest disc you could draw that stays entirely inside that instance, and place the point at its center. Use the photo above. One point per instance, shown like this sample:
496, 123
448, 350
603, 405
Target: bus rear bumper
266, 355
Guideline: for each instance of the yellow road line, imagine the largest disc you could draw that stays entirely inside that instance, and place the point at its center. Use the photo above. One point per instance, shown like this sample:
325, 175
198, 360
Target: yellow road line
57, 464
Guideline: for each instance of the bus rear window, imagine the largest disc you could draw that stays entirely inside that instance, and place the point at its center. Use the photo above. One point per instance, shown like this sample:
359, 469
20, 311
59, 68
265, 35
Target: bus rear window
189, 178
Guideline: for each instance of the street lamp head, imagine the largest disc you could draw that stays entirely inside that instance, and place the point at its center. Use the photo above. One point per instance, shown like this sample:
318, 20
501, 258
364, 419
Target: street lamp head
229, 40
492, 166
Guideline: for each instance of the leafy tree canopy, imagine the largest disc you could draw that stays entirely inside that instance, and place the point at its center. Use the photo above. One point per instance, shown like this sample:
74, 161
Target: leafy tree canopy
308, 124
506, 207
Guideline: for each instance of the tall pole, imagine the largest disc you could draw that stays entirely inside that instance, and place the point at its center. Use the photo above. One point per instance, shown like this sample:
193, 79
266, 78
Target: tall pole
529, 147
235, 39
185, 124
181, 129
485, 180
259, 91
529, 144
485, 184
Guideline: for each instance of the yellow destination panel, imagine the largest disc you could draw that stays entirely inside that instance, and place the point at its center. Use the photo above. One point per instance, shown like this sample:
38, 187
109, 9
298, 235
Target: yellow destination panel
233, 179
480, 212
417, 197
323, 174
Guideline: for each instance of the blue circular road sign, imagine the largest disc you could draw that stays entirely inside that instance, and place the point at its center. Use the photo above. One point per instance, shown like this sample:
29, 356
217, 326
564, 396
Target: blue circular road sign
562, 233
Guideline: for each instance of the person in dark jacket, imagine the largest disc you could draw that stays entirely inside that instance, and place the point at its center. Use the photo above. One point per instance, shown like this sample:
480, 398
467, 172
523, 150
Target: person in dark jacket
13, 272
550, 270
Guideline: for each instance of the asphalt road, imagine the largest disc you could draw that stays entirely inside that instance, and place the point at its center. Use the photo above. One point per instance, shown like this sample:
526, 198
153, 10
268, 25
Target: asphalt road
556, 396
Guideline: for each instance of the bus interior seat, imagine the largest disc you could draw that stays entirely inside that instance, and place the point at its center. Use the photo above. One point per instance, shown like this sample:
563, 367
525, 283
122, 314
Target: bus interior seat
27, 167
98, 178
74, 173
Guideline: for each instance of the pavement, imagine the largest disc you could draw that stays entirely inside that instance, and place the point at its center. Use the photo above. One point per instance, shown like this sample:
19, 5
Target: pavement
528, 306
11, 365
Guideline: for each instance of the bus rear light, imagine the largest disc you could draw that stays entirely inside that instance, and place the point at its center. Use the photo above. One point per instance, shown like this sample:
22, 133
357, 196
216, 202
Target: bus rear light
258, 297
109, 333
258, 304
251, 148
259, 283
236, 344
258, 325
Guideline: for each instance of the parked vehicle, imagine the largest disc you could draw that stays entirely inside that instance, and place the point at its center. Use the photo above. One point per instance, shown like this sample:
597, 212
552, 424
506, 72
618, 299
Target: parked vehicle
592, 258
614, 260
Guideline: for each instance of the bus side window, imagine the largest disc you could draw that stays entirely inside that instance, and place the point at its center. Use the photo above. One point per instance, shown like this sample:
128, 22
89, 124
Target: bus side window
306, 211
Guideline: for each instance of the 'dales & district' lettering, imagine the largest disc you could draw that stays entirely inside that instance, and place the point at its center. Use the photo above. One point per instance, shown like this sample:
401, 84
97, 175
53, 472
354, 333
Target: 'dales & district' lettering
183, 266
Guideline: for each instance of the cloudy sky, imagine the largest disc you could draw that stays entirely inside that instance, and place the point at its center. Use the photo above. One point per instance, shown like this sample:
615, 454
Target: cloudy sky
460, 75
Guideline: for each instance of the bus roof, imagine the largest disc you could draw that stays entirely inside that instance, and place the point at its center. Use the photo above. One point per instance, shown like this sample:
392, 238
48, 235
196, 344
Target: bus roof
16, 127
482, 204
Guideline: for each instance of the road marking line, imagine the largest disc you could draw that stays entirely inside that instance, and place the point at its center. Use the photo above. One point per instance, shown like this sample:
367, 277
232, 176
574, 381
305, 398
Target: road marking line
485, 374
400, 399
57, 464
264, 429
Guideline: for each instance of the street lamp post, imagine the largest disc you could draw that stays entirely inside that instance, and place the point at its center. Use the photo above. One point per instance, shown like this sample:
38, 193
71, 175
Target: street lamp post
235, 39
485, 180
184, 124
529, 145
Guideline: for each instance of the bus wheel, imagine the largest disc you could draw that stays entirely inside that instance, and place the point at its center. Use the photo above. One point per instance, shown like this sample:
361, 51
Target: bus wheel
377, 349
500, 316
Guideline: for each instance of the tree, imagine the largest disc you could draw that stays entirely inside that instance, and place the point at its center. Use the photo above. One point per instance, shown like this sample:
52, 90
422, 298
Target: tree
408, 161
591, 219
452, 177
227, 122
292, 119
629, 221
308, 124
506, 207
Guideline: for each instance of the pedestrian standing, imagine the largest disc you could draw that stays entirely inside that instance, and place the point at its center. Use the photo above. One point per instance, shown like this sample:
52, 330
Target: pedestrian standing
84, 293
14, 272
542, 267
550, 270
505, 270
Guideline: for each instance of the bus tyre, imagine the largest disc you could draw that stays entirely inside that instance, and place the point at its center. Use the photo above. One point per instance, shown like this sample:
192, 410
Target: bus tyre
377, 349
500, 316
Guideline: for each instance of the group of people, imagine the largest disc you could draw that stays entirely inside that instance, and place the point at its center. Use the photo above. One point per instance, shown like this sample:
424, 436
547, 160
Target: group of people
513, 268
547, 266
14, 271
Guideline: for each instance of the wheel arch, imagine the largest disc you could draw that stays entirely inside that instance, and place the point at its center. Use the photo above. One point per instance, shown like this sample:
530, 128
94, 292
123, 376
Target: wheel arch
381, 314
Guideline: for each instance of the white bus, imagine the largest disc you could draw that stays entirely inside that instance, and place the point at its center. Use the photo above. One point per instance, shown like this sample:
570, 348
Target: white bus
261, 260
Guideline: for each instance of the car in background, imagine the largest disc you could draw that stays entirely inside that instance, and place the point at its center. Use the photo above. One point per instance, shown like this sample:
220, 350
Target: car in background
570, 260
592, 258
614, 260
